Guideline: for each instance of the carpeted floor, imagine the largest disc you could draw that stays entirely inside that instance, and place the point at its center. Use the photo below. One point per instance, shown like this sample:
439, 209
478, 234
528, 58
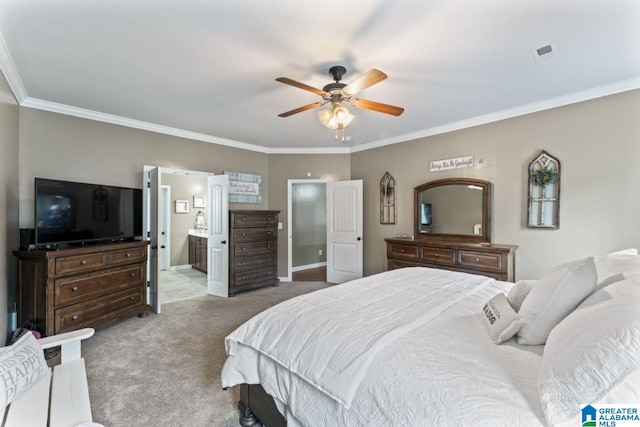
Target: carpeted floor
164, 370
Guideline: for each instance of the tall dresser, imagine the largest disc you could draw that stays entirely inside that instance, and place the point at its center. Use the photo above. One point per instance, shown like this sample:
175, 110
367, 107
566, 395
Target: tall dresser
253, 249
93, 286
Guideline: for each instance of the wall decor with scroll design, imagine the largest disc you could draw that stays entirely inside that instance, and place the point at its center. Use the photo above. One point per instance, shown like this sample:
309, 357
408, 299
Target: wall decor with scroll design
544, 192
387, 199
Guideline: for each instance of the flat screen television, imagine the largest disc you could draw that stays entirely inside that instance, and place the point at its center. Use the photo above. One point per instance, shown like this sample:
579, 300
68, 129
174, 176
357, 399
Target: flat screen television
81, 213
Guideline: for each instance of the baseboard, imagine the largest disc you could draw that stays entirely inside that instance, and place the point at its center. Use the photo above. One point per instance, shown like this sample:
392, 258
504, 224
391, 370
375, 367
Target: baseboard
180, 267
308, 266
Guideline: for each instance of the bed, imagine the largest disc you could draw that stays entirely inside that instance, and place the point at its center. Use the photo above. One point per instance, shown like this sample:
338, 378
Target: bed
416, 346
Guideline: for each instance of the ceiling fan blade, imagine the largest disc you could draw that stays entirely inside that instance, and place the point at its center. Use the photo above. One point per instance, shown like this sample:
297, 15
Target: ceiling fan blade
288, 81
377, 106
301, 109
366, 80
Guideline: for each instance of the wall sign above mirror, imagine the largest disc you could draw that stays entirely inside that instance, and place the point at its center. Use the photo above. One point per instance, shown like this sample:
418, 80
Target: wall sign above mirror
455, 209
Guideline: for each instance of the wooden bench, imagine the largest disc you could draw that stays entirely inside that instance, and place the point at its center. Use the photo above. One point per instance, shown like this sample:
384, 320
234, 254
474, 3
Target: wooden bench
60, 399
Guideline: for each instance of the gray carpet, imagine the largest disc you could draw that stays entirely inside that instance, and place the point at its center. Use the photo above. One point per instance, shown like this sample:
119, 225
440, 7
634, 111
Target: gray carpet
164, 370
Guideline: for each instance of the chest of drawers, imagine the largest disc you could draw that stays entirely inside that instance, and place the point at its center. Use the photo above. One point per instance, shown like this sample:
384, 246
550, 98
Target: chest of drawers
496, 261
94, 286
253, 249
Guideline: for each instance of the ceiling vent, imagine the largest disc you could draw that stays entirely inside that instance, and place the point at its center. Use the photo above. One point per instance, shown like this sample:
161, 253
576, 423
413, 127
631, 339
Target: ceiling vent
546, 53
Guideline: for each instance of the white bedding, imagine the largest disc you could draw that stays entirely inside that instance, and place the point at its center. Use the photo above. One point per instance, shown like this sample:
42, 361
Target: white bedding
440, 370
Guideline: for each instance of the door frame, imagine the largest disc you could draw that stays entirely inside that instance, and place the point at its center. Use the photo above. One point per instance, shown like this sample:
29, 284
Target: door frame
146, 211
290, 183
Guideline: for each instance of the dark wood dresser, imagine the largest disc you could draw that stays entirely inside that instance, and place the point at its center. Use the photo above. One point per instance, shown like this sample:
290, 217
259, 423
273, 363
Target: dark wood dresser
253, 249
93, 286
496, 261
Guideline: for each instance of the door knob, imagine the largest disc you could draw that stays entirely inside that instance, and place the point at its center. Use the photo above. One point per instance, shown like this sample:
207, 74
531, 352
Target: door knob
224, 242
359, 238
162, 247
154, 247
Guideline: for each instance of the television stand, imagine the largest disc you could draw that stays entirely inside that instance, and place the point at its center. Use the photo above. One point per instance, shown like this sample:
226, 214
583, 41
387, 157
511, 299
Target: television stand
78, 287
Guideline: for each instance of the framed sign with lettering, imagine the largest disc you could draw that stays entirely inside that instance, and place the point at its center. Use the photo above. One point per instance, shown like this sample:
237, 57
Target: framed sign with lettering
244, 187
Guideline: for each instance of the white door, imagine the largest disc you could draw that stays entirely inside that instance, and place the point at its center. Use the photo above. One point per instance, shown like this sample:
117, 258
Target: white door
344, 231
218, 236
164, 240
155, 219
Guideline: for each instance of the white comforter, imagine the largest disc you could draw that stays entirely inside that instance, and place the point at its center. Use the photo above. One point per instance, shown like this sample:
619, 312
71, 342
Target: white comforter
406, 347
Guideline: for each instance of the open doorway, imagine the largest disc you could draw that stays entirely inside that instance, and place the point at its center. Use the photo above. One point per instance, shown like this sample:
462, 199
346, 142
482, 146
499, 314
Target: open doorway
170, 220
182, 232
307, 216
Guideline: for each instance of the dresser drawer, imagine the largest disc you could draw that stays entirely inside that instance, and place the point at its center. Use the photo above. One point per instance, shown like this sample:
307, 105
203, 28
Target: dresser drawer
403, 251
259, 261
253, 234
439, 255
127, 255
85, 314
253, 219
392, 264
489, 261
79, 263
254, 248
80, 288
254, 277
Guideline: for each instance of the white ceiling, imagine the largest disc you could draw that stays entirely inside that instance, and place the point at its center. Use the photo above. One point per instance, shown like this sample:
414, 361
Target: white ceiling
206, 69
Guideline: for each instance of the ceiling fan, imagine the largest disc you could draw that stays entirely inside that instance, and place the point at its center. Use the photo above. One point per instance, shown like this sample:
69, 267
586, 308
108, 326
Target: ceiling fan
338, 117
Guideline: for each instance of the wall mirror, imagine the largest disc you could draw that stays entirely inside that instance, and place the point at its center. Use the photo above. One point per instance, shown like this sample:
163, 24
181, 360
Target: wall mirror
456, 209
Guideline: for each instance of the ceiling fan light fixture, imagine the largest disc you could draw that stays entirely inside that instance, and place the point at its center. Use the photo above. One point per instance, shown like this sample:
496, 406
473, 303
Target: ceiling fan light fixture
336, 117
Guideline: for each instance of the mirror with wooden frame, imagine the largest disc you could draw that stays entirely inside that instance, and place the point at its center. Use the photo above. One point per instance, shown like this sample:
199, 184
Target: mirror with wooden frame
454, 209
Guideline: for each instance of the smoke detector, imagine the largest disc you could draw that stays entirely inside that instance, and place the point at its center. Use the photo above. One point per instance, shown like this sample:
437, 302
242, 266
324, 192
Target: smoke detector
546, 53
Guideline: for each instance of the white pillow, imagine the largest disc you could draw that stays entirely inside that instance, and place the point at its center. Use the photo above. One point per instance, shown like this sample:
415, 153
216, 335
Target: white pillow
518, 293
593, 355
21, 365
501, 320
617, 266
553, 297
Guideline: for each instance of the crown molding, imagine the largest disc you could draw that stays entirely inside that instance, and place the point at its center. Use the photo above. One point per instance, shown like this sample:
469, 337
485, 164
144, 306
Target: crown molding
547, 104
137, 124
8, 68
316, 150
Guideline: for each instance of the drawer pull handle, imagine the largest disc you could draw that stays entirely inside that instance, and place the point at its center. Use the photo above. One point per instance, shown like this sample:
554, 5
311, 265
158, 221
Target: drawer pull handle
132, 274
268, 246
132, 298
83, 262
128, 254
437, 255
269, 233
244, 234
268, 219
74, 317
477, 259
401, 250
244, 219
75, 288
243, 249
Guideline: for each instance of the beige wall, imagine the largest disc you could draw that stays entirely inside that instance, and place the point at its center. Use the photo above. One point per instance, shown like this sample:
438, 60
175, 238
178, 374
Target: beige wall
183, 188
9, 233
69, 148
597, 143
282, 167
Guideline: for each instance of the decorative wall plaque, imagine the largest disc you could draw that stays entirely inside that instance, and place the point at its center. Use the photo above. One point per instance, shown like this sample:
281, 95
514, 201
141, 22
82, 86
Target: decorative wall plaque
387, 199
544, 192
244, 187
